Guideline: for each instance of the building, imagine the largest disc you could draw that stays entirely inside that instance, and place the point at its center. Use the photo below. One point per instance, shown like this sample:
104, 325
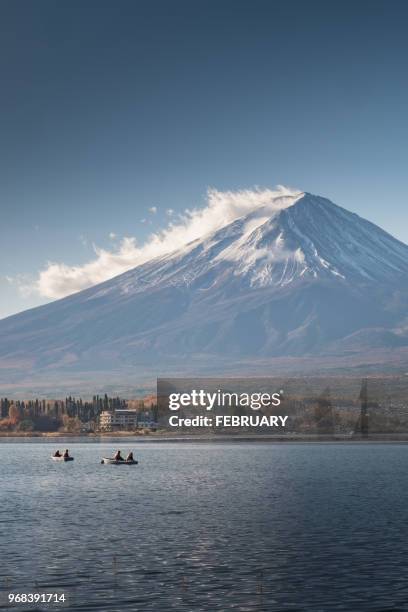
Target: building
118, 419
147, 424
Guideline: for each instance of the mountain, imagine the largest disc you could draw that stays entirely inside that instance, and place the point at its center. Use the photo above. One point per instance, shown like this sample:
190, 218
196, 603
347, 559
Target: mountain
308, 286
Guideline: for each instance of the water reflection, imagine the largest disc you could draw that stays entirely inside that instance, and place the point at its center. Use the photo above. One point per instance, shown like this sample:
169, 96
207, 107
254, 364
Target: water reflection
209, 527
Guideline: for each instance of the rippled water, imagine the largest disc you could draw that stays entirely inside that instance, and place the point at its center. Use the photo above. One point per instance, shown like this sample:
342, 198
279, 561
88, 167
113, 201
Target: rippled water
210, 527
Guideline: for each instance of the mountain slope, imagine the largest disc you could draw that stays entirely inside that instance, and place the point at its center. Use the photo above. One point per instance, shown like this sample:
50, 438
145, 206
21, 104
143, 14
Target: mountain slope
310, 280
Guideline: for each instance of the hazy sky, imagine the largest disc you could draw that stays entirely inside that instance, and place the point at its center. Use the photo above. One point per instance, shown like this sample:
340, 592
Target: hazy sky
111, 108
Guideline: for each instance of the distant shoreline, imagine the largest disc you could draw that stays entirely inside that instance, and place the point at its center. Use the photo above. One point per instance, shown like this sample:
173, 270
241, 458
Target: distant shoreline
68, 434
167, 437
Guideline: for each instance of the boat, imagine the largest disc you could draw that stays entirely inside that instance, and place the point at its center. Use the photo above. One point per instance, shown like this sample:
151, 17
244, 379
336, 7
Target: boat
62, 458
110, 461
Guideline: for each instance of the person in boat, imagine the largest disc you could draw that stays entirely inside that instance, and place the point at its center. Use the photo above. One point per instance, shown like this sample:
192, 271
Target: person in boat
66, 454
130, 457
57, 454
118, 456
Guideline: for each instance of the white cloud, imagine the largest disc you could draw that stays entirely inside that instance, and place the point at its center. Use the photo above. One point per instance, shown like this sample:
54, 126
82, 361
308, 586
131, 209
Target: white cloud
112, 235
169, 212
58, 279
153, 210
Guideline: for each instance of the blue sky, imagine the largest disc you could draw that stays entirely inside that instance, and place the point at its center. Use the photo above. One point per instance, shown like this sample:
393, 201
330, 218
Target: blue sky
109, 109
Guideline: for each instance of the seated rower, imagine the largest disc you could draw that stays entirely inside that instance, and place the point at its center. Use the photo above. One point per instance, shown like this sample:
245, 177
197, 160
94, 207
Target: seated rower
57, 454
118, 456
130, 457
66, 454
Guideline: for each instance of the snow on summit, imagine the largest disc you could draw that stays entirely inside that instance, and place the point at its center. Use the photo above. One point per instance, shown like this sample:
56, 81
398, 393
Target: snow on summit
286, 239
222, 208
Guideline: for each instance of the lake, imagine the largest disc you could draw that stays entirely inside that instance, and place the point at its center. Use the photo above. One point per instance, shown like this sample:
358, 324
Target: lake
195, 526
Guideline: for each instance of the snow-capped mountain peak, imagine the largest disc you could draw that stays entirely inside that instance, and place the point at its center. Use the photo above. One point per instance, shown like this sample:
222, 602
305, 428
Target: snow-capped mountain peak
309, 278
310, 239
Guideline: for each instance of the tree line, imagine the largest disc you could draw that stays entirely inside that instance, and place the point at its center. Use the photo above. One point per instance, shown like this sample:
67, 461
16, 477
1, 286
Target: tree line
51, 415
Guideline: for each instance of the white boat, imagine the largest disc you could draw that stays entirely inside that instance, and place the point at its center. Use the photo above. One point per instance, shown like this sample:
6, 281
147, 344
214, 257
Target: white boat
110, 461
62, 458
